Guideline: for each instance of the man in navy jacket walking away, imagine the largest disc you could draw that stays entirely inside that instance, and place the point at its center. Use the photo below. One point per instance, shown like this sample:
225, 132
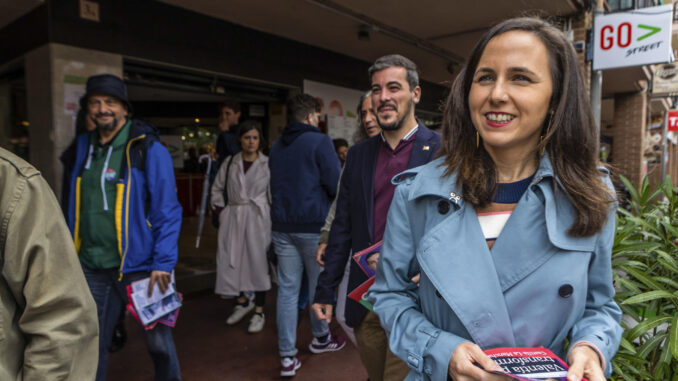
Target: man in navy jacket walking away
304, 175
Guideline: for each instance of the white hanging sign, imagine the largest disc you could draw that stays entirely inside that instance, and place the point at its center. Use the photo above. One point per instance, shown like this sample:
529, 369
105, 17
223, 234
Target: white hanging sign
635, 38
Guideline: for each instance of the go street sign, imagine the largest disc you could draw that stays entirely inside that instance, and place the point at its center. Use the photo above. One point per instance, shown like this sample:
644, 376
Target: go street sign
635, 38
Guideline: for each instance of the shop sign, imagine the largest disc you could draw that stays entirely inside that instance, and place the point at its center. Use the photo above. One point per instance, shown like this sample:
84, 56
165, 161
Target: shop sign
635, 38
338, 108
74, 89
673, 120
665, 79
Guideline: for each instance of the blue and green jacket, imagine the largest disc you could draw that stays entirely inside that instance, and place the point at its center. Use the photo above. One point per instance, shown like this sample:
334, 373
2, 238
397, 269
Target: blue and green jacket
147, 212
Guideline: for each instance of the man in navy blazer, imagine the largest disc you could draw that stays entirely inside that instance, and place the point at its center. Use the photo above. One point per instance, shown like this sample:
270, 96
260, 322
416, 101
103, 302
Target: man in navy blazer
365, 194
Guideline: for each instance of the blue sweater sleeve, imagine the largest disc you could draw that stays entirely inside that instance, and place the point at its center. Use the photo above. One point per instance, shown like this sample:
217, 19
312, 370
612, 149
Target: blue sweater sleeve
165, 211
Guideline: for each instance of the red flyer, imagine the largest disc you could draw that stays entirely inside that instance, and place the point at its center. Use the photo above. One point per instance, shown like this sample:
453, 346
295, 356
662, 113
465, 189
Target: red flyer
361, 291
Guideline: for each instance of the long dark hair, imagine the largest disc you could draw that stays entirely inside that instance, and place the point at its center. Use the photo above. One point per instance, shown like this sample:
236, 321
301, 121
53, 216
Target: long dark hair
360, 133
571, 140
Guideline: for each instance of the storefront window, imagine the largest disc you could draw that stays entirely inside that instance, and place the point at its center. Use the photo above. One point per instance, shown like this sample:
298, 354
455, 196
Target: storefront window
197, 142
620, 5
624, 5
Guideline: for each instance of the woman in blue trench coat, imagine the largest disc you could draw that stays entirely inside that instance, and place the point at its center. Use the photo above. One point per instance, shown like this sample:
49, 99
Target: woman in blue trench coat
512, 227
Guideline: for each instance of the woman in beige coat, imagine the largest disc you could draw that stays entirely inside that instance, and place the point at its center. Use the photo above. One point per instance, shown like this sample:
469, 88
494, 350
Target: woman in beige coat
244, 226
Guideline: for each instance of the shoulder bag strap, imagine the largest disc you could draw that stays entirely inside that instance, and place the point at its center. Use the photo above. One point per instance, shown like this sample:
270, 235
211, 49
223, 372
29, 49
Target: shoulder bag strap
228, 168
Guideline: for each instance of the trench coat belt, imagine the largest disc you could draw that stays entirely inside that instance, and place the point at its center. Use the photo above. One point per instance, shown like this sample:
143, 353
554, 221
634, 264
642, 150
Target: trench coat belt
260, 202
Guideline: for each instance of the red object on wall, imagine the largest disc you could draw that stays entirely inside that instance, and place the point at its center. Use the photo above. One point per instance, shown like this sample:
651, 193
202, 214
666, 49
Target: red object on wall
189, 192
673, 120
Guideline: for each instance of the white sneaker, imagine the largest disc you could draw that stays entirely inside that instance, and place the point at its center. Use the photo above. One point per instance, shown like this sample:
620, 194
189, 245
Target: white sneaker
290, 366
239, 312
256, 323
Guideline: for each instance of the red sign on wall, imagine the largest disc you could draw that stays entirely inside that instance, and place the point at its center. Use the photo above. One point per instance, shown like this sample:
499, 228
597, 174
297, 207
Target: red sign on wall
673, 120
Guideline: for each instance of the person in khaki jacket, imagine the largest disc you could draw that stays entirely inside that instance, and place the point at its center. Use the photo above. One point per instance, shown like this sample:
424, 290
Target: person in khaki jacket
48, 319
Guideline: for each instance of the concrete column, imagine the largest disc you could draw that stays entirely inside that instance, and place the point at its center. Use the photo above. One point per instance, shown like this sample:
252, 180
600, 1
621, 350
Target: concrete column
55, 79
628, 134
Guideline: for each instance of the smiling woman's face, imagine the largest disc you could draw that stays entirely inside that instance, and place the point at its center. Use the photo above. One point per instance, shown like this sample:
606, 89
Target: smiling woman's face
511, 91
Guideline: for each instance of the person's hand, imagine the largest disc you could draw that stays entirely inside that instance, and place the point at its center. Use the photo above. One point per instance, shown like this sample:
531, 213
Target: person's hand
320, 254
463, 364
162, 278
584, 362
415, 279
323, 311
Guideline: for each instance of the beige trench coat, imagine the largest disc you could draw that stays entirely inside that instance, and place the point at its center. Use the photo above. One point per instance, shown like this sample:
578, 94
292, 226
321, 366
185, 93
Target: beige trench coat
48, 319
244, 227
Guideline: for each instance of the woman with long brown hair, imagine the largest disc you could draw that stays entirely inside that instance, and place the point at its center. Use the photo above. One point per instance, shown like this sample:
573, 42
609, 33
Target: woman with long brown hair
512, 227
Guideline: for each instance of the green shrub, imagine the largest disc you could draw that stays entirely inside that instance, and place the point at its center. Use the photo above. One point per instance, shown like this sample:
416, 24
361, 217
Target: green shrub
645, 264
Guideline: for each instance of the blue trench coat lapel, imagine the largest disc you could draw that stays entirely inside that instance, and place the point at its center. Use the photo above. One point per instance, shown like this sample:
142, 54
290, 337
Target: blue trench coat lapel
527, 233
538, 238
453, 269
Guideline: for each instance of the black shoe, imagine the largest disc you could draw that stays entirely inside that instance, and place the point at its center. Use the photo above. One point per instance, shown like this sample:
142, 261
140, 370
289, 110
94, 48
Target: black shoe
119, 338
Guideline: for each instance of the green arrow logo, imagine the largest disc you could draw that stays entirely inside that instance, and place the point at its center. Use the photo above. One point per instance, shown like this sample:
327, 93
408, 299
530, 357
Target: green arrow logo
652, 30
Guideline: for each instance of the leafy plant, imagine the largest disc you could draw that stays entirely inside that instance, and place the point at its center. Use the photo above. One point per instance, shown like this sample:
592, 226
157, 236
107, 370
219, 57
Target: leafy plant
645, 264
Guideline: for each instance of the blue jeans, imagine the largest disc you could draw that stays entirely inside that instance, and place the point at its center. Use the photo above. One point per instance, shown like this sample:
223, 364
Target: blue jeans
110, 297
296, 254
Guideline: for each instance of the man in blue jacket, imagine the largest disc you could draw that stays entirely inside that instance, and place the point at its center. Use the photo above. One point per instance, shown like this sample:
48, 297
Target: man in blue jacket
304, 175
124, 215
365, 194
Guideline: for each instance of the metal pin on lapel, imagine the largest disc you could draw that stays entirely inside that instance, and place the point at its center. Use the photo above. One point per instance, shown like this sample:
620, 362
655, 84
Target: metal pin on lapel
425, 148
455, 197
